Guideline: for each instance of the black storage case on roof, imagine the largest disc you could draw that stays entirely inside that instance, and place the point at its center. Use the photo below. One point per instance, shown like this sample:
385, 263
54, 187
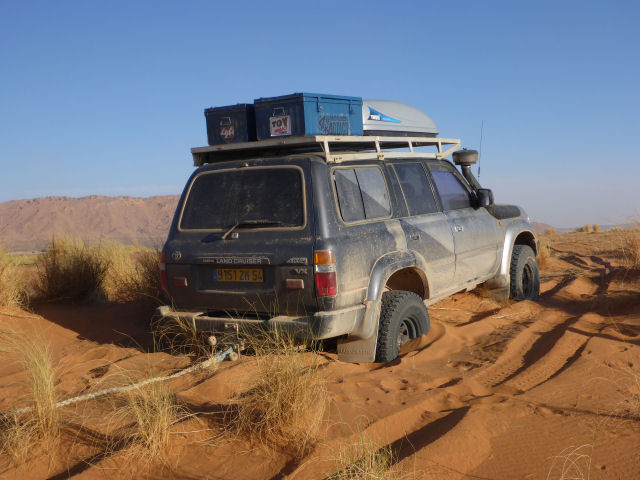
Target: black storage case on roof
230, 124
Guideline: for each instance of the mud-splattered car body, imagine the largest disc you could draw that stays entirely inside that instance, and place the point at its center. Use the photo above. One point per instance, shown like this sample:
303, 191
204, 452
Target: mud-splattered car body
302, 243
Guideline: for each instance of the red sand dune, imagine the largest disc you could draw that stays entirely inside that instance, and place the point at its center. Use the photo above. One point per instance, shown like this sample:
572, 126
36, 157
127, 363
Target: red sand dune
497, 391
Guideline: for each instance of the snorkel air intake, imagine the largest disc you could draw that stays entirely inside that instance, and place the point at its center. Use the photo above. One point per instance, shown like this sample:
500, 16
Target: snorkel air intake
465, 158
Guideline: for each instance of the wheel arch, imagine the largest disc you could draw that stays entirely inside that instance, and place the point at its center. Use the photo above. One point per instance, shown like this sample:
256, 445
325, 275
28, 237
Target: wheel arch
404, 270
527, 238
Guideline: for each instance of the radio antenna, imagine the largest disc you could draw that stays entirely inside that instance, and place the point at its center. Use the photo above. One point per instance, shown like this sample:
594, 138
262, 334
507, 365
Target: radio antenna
480, 150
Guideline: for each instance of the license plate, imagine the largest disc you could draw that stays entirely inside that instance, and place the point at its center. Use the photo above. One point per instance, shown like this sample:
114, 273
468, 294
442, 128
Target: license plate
253, 275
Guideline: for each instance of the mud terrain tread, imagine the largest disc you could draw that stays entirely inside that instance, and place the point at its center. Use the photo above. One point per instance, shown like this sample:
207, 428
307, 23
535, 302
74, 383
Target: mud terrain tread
519, 251
392, 301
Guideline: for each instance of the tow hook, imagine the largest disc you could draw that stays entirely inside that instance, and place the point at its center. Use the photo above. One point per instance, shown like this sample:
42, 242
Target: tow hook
229, 353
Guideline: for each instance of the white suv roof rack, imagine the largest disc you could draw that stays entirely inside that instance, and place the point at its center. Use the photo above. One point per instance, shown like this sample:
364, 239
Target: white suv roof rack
333, 148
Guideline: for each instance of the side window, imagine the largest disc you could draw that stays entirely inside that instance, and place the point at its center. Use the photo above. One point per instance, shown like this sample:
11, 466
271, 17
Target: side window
374, 192
362, 193
416, 188
452, 192
349, 198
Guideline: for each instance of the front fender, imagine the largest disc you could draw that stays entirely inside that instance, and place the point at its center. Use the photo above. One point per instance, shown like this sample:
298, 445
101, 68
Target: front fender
513, 229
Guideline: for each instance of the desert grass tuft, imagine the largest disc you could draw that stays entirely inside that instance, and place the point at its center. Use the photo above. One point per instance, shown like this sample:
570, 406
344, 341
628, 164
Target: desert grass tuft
179, 336
544, 254
632, 251
573, 463
362, 460
133, 273
15, 438
42, 420
12, 291
596, 228
287, 400
551, 231
151, 411
586, 229
629, 248
145, 284
70, 270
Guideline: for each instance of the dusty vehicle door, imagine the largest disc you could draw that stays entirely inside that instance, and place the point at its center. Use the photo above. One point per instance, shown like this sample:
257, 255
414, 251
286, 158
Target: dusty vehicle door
426, 227
474, 230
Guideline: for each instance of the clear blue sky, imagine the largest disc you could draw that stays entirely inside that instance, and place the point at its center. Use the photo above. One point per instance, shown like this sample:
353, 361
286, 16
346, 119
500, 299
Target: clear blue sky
107, 97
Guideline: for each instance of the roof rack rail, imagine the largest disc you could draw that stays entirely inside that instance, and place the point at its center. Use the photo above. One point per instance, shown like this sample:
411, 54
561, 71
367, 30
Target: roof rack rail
333, 148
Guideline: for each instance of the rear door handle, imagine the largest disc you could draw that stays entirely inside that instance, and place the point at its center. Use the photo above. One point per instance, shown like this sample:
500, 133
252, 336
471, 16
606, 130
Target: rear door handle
458, 228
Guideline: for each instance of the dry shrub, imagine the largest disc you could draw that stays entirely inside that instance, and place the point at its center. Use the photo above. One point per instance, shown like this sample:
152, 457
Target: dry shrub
551, 231
629, 248
71, 270
544, 254
146, 283
288, 398
586, 229
149, 412
41, 420
596, 228
573, 463
363, 461
134, 273
12, 292
179, 336
635, 397
17, 436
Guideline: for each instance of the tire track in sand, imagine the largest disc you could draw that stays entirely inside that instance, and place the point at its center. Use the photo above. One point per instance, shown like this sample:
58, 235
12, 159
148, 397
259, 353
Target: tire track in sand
565, 349
514, 360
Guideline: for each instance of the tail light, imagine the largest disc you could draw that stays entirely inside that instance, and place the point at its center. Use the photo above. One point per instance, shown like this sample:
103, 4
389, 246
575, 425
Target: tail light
163, 272
325, 273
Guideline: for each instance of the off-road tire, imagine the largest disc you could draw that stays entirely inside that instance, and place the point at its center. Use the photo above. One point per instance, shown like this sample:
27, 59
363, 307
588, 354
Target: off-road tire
400, 309
524, 274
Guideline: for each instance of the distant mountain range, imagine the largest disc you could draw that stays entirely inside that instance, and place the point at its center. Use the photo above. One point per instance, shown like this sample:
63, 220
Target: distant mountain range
27, 225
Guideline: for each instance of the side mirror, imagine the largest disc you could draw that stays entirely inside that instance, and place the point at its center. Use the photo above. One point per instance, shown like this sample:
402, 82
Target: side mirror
484, 197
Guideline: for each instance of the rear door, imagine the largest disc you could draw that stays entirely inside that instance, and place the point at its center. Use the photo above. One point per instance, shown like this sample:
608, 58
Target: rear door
241, 241
474, 230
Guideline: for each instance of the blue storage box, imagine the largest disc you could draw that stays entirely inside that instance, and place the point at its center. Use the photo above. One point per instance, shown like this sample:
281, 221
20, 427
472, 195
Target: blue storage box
231, 124
308, 114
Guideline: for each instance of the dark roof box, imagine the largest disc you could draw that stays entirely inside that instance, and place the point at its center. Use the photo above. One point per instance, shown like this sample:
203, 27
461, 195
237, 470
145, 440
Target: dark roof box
230, 124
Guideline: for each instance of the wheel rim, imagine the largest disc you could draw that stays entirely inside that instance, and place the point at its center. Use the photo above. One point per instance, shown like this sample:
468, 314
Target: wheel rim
528, 281
407, 331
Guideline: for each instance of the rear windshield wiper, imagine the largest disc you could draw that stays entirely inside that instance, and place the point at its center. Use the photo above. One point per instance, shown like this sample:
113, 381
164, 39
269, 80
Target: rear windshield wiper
248, 223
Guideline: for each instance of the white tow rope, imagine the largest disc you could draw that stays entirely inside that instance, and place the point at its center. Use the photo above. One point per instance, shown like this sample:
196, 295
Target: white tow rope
217, 358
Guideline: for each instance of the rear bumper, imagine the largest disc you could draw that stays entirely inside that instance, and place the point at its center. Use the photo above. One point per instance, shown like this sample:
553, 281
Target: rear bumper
318, 326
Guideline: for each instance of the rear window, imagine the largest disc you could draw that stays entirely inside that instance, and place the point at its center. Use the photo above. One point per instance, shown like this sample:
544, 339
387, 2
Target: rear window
271, 197
362, 193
